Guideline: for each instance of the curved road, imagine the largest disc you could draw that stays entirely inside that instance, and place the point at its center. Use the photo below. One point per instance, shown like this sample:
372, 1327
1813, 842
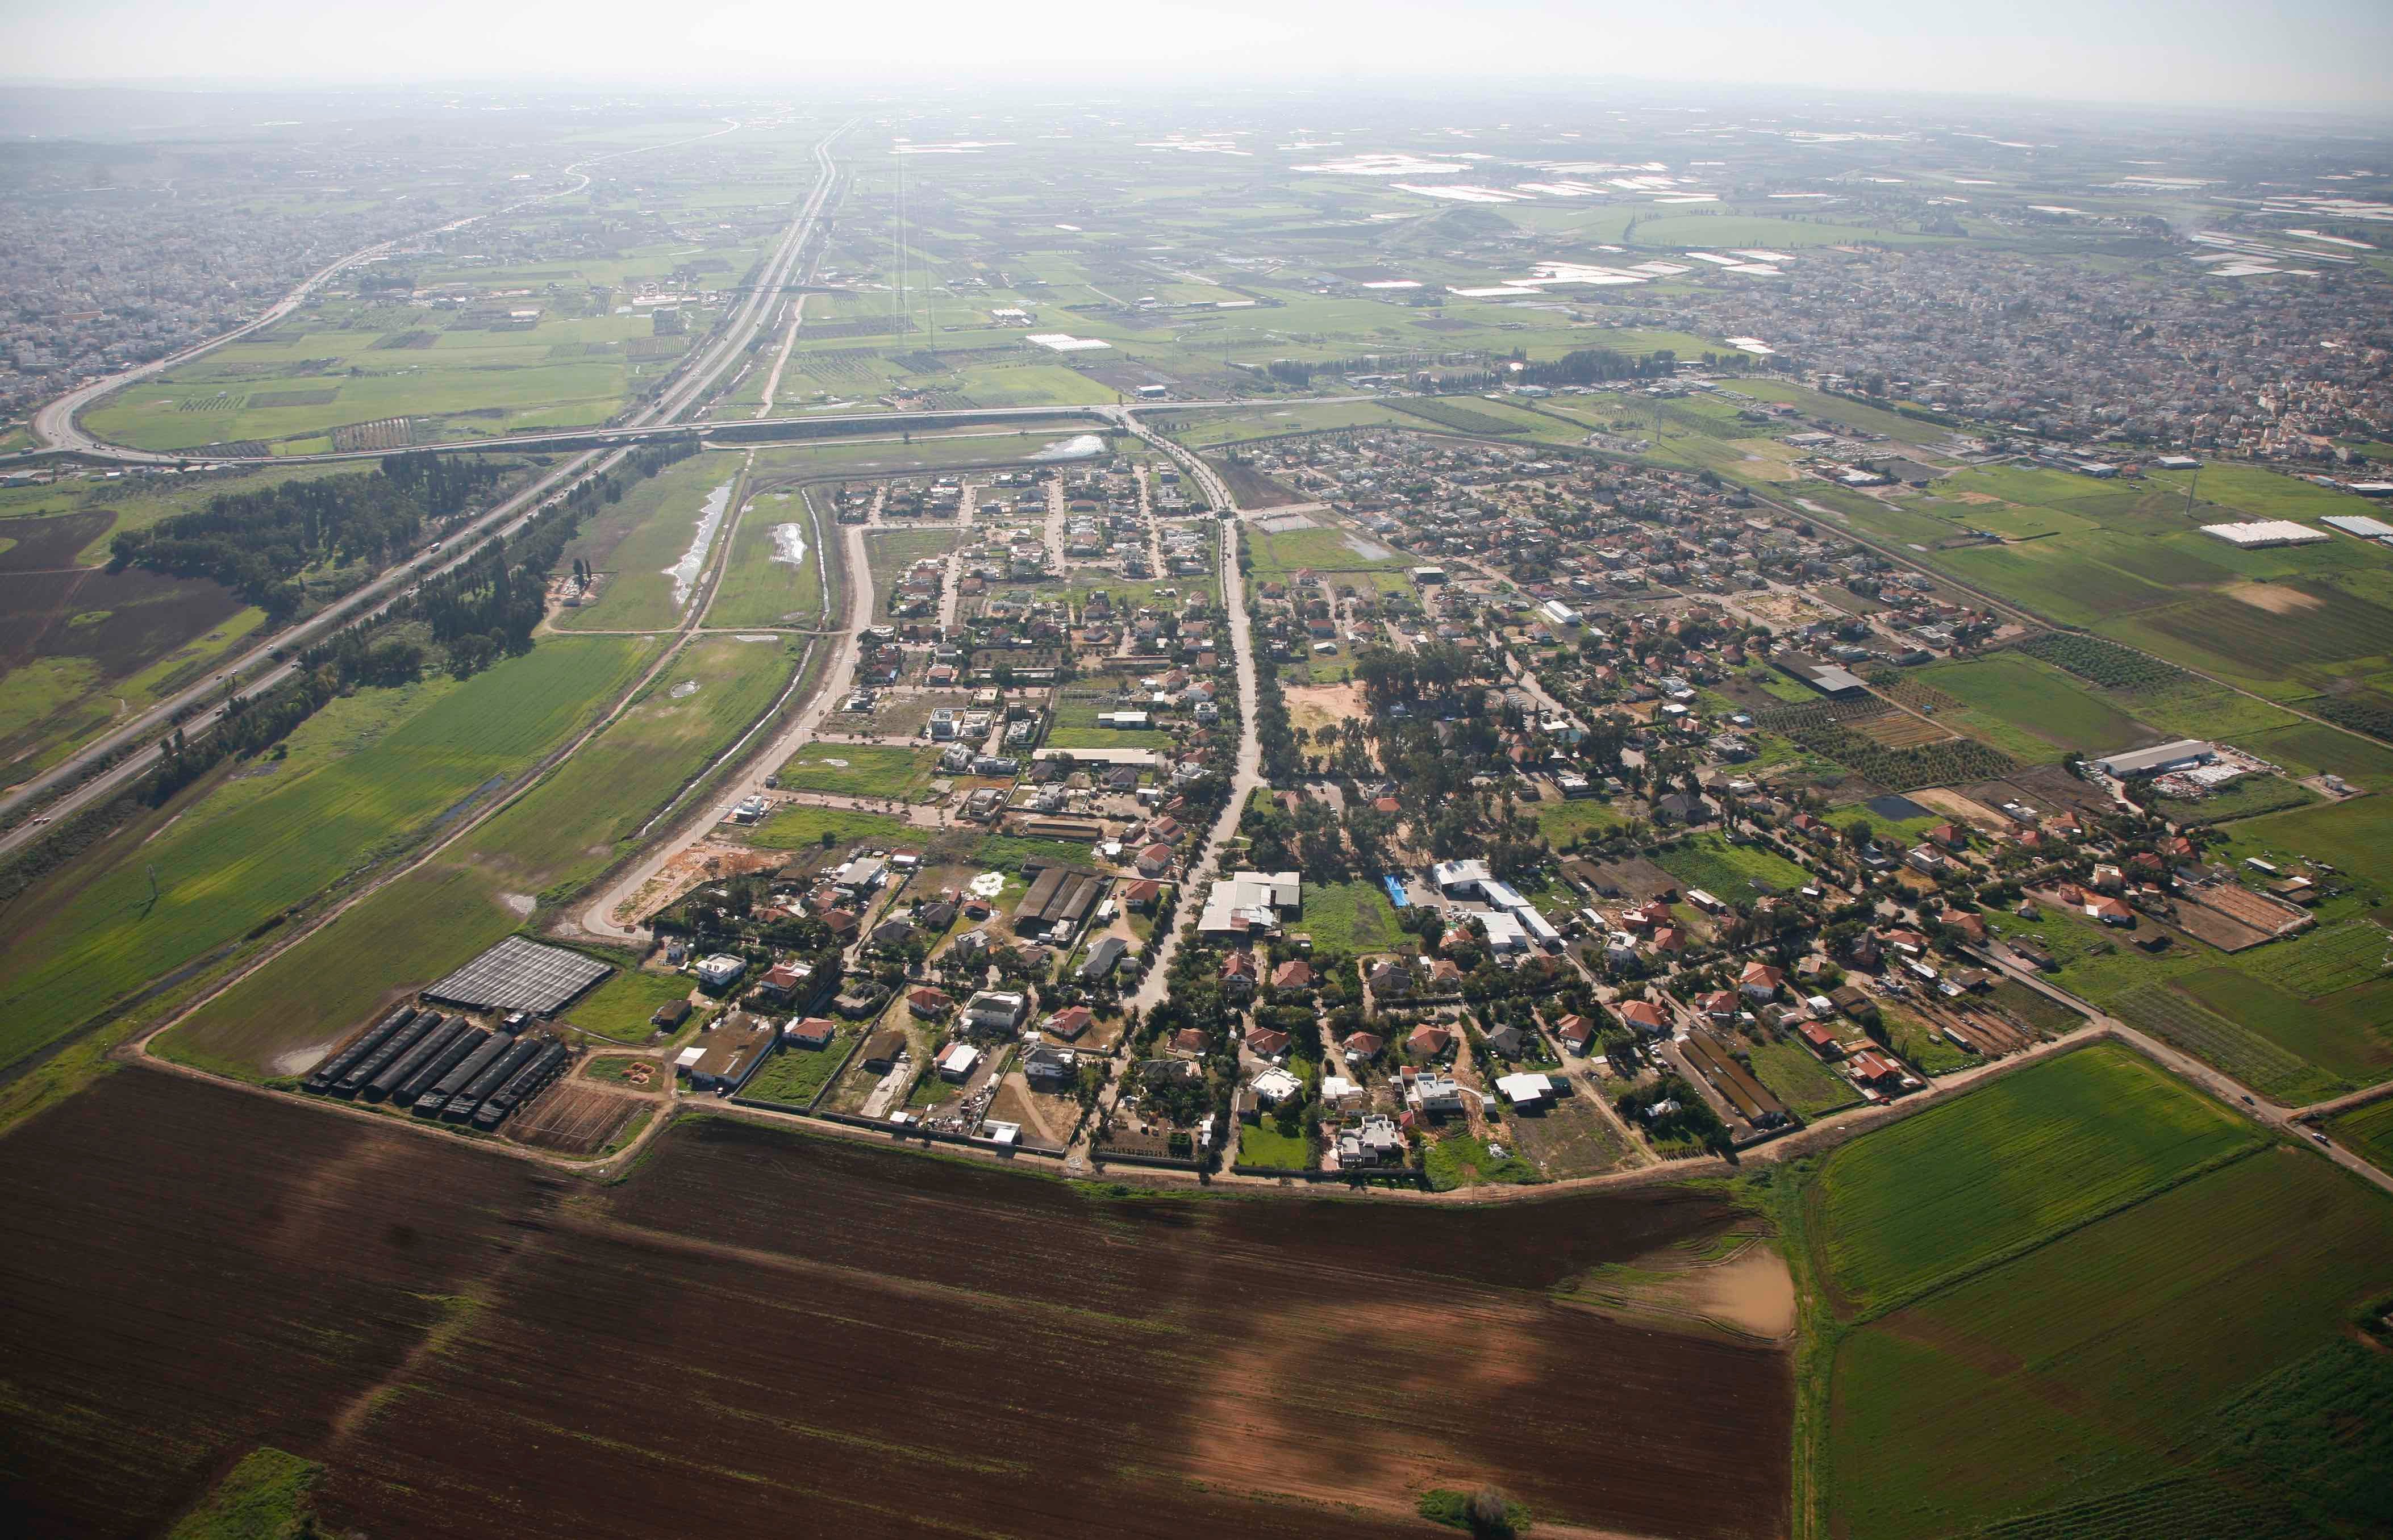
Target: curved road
55, 424
203, 705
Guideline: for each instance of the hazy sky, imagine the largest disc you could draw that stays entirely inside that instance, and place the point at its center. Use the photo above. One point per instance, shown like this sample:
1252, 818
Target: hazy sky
2297, 52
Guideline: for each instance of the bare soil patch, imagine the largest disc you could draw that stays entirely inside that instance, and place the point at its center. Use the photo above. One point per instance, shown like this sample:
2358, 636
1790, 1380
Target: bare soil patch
768, 1334
2275, 598
199, 1271
1960, 807
1314, 707
573, 1120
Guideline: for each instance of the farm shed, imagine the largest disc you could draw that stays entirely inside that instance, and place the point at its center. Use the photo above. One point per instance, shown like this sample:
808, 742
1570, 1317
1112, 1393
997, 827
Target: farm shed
730, 1054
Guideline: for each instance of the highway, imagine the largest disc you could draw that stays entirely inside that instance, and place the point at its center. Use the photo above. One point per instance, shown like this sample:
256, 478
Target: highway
55, 424
259, 669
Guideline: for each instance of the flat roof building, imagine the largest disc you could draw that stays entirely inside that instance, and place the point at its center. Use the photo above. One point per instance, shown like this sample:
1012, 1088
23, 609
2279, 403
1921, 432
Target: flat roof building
2160, 759
2260, 534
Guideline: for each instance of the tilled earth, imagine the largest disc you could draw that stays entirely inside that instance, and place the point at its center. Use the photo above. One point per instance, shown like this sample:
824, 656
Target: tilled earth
761, 1333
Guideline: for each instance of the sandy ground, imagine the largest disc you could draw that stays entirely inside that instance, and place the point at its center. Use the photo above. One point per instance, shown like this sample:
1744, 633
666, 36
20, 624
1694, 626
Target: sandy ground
1312, 707
703, 862
2275, 599
1960, 807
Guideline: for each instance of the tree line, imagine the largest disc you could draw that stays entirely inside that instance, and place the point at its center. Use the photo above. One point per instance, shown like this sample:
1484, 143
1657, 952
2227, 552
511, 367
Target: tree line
258, 543
487, 607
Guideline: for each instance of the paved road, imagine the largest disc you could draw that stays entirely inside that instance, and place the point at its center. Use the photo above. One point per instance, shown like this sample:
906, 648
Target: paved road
1245, 777
2233, 1092
599, 916
259, 669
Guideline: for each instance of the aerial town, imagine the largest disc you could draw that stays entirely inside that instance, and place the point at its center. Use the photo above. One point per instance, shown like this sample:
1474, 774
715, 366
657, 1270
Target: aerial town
758, 814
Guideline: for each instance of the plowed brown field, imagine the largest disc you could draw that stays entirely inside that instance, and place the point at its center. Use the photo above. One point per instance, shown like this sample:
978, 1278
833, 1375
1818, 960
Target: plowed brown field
776, 1335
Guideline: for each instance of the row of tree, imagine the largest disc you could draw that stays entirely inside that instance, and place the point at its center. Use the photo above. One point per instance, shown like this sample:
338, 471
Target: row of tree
260, 543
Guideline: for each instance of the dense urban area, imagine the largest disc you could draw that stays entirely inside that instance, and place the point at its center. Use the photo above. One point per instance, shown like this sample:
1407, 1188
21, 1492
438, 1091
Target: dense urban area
779, 816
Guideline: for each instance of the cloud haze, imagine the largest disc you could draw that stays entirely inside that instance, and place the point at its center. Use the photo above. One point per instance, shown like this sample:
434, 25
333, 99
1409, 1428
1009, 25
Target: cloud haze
2192, 53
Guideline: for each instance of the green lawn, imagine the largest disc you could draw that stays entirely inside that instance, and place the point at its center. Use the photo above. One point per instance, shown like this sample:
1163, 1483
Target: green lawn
1279, 557
1731, 873
1459, 1159
620, 1006
860, 770
797, 825
361, 777
1800, 1081
1353, 917
1261, 1143
792, 1075
1948, 1191
1563, 822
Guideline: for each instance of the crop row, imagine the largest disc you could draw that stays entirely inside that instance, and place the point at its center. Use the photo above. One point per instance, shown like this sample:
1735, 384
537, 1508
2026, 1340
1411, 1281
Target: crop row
2268, 1068
2103, 662
1946, 763
2176, 1505
2334, 959
1943, 1194
1460, 418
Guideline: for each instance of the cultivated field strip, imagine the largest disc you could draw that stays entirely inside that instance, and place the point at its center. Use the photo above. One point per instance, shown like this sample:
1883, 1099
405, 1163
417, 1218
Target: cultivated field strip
881, 1346
2273, 1071
1937, 1195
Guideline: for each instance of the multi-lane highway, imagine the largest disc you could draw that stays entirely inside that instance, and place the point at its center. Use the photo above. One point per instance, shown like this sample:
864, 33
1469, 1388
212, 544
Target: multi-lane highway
73, 783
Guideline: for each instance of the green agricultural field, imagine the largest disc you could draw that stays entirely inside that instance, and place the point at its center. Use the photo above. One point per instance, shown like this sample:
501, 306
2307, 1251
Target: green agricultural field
857, 770
1795, 1075
774, 574
2048, 713
1353, 917
796, 825
340, 366
2348, 1031
650, 548
2191, 706
2369, 1132
2284, 640
361, 779
543, 847
2178, 1367
2309, 749
1733, 874
2245, 797
1204, 430
1943, 1193
620, 1006
2355, 836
